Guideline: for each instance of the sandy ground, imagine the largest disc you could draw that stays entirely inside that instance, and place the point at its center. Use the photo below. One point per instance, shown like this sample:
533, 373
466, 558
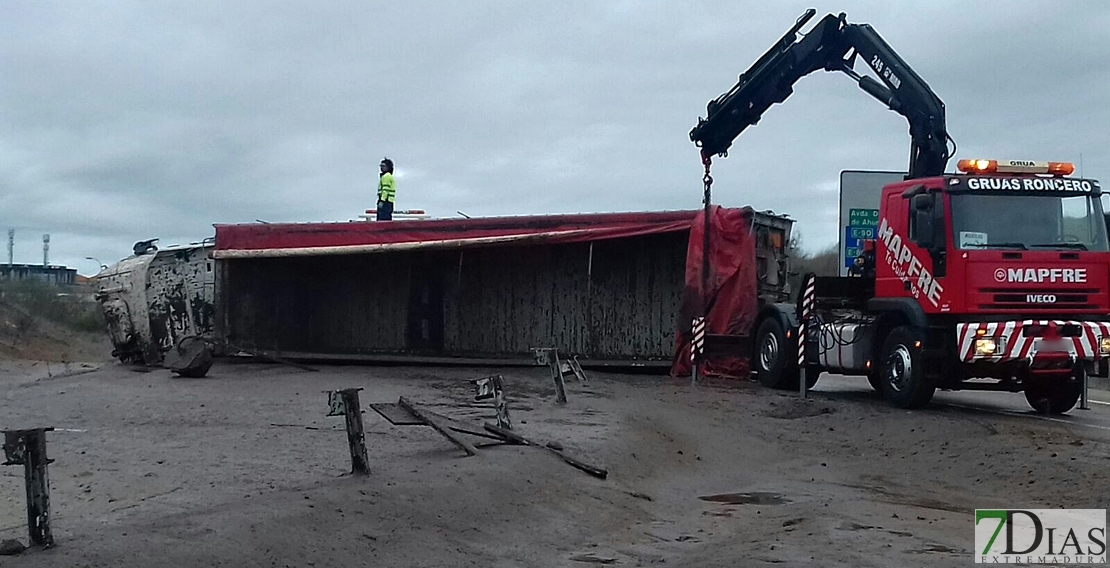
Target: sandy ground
243, 469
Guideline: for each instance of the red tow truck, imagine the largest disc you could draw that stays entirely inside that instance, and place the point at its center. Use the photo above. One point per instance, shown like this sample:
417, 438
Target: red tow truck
990, 278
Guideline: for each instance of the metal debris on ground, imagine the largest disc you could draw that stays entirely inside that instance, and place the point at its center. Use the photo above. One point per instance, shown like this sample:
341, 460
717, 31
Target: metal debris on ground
405, 413
575, 367
273, 358
345, 403
462, 427
398, 415
494, 387
514, 438
191, 357
438, 426
550, 356
335, 404
28, 448
593, 558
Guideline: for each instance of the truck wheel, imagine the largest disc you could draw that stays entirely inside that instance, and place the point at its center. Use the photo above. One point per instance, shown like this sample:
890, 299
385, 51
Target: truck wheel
904, 382
775, 360
1054, 396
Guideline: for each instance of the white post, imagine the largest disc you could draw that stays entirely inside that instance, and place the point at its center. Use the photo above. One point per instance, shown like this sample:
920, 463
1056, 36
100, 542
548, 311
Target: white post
802, 359
807, 306
697, 347
1083, 401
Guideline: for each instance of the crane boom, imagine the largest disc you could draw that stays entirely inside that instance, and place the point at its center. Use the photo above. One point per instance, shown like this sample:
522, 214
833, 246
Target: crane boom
832, 45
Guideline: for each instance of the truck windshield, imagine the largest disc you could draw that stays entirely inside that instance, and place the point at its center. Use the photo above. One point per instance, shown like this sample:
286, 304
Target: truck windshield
1029, 221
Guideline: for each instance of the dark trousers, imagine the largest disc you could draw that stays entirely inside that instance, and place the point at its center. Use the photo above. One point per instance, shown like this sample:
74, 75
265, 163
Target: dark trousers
385, 210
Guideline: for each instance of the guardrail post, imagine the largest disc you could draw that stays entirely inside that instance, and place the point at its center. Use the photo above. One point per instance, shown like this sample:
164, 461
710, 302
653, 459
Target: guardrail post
345, 402
28, 448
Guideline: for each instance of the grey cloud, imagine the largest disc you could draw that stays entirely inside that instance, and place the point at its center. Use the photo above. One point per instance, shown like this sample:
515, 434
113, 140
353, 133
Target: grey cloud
127, 120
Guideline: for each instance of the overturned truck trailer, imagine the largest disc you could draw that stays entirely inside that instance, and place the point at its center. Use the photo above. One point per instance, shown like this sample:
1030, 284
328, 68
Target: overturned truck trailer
610, 288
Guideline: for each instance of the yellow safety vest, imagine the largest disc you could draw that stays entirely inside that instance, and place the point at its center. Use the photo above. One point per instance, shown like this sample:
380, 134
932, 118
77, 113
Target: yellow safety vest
387, 188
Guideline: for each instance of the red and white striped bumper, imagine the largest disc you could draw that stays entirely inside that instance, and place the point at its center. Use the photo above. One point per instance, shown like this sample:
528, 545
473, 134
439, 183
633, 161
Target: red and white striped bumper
1044, 339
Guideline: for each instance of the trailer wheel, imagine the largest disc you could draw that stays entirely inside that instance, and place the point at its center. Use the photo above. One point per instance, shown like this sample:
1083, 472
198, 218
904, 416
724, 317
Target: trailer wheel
775, 361
904, 382
1049, 396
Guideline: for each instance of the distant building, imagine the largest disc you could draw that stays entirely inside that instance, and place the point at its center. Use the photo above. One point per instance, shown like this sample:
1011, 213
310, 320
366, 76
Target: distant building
54, 275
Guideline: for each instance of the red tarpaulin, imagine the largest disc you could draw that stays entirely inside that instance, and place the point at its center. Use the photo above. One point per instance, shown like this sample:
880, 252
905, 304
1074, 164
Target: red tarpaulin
310, 239
732, 298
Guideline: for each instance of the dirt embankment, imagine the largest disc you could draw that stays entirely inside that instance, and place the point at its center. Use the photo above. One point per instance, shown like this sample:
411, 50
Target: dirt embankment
27, 333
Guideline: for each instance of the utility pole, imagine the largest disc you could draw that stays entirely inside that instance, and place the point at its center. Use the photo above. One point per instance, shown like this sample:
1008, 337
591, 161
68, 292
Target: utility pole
45, 250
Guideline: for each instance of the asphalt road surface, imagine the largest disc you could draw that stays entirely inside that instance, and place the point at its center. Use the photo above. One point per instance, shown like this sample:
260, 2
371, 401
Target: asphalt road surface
1097, 417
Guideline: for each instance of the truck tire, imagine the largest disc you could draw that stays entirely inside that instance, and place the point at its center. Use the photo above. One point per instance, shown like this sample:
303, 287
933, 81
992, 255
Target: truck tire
775, 361
1054, 396
904, 382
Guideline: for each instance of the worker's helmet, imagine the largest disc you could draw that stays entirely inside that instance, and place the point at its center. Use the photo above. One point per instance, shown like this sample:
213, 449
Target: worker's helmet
387, 163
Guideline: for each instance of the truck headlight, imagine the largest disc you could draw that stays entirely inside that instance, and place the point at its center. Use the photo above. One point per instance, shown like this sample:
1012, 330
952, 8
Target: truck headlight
988, 346
1104, 345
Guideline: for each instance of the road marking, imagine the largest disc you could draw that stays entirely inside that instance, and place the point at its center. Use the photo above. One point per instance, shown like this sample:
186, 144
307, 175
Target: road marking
1026, 415
1014, 413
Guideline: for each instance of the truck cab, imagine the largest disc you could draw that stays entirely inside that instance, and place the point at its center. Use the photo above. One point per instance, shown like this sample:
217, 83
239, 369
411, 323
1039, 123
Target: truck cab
993, 244
993, 278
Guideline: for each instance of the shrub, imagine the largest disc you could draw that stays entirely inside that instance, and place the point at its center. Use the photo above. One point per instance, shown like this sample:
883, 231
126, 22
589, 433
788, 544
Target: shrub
822, 263
62, 305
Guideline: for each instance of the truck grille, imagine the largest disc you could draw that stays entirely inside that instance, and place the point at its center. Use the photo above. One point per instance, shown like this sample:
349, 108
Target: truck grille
1009, 298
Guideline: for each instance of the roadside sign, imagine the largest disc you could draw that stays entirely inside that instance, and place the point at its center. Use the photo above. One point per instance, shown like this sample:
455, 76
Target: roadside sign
860, 192
862, 225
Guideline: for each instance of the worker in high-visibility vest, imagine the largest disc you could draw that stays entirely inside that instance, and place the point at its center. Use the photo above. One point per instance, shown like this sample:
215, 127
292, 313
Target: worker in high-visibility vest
387, 191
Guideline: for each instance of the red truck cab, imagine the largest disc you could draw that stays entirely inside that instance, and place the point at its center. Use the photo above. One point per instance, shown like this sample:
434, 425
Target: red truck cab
996, 272
1007, 261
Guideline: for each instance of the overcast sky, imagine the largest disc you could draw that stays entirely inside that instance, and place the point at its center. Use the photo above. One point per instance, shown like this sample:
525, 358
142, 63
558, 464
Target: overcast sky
126, 120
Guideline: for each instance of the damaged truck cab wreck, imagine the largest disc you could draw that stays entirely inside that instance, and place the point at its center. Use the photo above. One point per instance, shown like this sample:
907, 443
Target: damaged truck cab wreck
154, 299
